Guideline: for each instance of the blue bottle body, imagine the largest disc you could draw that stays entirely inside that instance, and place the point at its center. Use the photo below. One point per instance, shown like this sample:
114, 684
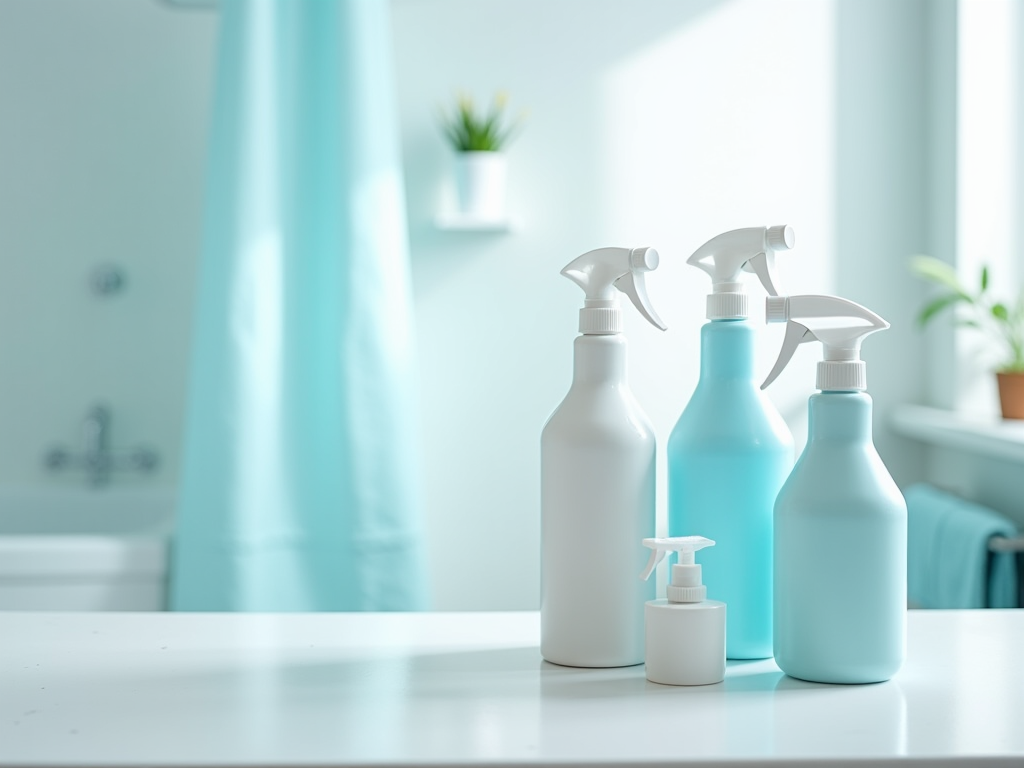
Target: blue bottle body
840, 553
728, 456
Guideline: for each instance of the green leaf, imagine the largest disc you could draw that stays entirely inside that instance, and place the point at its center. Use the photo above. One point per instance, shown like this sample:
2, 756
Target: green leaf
984, 279
936, 271
937, 305
469, 130
1000, 312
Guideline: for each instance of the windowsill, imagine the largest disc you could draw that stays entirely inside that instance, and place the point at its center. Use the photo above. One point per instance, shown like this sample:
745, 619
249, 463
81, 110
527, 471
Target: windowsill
985, 435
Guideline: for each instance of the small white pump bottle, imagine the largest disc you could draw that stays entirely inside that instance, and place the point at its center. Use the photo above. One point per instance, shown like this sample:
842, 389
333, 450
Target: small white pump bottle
685, 632
597, 479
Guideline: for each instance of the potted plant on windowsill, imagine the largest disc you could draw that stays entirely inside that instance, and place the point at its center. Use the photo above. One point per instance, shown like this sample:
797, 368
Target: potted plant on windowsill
479, 140
1003, 324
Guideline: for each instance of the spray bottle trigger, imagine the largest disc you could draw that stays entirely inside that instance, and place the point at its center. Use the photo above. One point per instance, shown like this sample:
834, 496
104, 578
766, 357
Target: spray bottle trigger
633, 285
657, 555
796, 334
763, 265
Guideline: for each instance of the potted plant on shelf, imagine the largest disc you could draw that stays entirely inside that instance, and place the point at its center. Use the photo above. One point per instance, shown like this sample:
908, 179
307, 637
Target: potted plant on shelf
1002, 323
480, 165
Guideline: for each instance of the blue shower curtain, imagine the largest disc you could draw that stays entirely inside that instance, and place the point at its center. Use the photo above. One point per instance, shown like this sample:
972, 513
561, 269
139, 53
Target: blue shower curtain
298, 480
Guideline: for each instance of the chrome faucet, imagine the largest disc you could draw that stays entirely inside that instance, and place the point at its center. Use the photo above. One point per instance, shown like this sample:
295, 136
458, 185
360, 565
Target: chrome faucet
96, 457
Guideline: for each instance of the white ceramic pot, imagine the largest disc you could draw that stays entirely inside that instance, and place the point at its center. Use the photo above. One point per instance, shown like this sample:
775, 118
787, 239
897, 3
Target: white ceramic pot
480, 179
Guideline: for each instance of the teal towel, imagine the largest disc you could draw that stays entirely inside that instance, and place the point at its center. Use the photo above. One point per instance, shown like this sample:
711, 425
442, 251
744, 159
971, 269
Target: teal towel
947, 553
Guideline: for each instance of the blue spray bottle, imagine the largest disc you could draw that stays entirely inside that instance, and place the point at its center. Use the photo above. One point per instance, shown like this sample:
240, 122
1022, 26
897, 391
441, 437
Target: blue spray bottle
731, 451
840, 520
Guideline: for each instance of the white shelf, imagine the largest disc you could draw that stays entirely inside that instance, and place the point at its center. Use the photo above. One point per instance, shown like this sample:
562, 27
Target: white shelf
460, 222
985, 435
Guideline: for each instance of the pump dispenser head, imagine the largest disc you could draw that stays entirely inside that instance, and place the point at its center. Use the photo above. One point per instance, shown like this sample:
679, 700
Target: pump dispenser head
686, 585
725, 256
599, 273
840, 325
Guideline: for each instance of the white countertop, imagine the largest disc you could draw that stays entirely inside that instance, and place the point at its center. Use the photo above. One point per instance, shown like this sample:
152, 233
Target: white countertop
470, 689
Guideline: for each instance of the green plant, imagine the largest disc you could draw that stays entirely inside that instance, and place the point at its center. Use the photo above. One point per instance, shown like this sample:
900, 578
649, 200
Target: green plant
1004, 324
488, 131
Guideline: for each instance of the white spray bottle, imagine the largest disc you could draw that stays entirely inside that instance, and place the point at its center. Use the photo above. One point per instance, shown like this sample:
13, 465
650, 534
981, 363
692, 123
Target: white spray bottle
597, 479
840, 520
730, 450
685, 632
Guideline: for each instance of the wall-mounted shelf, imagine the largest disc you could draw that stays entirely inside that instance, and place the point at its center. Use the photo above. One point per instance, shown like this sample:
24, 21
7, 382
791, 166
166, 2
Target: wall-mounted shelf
460, 222
986, 435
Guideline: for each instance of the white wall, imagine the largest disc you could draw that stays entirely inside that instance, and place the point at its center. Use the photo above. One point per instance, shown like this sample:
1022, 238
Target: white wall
882, 201
103, 113
658, 123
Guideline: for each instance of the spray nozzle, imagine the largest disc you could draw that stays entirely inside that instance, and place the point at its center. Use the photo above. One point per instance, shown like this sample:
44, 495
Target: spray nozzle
725, 256
599, 273
686, 585
839, 324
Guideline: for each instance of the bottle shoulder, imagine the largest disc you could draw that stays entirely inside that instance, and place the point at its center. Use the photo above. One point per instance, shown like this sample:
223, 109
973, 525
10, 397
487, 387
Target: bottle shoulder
837, 478
595, 401
728, 329
667, 605
602, 413
739, 414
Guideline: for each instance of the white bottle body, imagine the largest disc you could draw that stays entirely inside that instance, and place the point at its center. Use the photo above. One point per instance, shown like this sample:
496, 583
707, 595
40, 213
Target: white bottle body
685, 642
597, 504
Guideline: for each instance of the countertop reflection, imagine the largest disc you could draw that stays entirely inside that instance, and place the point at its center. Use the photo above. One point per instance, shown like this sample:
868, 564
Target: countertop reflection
471, 689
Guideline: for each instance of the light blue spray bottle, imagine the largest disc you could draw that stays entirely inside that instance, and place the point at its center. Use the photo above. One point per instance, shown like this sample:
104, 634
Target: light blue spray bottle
840, 520
731, 451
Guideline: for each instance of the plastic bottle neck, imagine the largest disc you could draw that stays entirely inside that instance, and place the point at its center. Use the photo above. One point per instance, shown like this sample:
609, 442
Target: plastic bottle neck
599, 359
842, 416
727, 350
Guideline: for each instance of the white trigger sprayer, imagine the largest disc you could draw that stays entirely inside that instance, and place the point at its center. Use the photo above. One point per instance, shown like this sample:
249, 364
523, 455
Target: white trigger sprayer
840, 325
599, 273
725, 256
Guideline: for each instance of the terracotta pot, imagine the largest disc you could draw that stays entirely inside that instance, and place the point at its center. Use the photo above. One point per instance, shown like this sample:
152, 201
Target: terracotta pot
1011, 394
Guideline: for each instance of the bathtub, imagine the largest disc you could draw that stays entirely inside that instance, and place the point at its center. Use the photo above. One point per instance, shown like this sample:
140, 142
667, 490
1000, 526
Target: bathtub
84, 549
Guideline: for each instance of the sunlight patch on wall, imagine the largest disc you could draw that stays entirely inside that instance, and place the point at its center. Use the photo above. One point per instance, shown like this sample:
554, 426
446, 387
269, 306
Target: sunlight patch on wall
725, 121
